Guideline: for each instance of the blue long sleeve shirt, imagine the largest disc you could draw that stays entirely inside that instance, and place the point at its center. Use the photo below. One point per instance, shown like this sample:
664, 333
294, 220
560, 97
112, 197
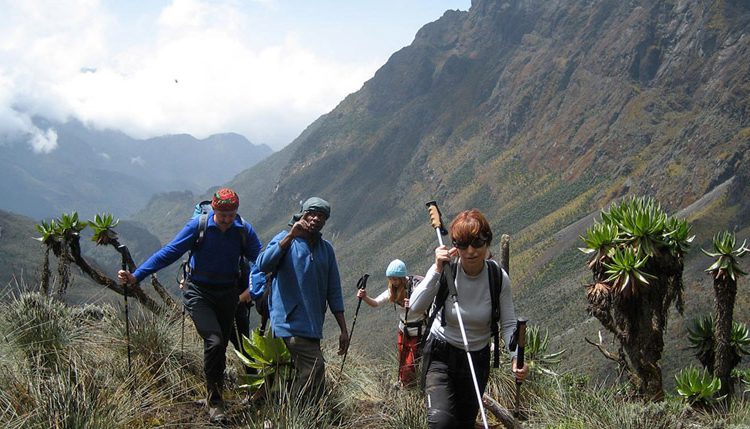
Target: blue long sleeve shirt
215, 260
306, 282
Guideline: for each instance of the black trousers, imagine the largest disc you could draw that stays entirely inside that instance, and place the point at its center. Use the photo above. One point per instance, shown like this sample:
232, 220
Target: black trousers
212, 310
449, 388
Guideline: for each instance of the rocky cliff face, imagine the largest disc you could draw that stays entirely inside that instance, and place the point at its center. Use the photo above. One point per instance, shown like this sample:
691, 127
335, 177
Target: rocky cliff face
538, 112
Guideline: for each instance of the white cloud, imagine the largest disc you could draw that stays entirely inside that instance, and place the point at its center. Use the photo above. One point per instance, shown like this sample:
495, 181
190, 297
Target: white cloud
262, 68
197, 68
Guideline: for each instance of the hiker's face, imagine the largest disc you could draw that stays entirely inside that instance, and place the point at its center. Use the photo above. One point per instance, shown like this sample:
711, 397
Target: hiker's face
397, 281
472, 258
315, 220
224, 219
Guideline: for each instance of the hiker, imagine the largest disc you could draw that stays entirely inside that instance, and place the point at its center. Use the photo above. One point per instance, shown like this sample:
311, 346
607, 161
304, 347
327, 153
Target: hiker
211, 293
306, 279
450, 395
410, 324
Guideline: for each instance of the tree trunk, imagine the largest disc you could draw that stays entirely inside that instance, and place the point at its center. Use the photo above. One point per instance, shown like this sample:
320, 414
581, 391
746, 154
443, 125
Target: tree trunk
725, 290
45, 272
104, 280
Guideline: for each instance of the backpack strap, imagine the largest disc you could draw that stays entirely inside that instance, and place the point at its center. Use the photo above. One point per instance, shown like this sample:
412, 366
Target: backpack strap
202, 224
496, 286
438, 303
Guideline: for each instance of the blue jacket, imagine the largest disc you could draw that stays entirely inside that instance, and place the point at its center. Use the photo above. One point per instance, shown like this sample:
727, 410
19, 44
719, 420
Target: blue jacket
218, 255
257, 282
307, 280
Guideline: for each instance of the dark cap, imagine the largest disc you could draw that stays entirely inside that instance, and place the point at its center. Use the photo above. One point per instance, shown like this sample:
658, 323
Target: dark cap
312, 204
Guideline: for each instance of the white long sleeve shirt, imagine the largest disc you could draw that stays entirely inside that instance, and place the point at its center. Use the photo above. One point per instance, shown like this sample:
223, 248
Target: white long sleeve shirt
475, 305
414, 316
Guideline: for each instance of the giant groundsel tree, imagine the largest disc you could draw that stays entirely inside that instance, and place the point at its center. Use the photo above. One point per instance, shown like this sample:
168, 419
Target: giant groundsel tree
636, 257
725, 271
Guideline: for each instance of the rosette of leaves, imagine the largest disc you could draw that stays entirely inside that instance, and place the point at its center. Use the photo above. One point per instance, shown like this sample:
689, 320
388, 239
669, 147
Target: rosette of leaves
726, 264
701, 337
535, 351
599, 239
697, 387
625, 270
70, 225
269, 357
103, 226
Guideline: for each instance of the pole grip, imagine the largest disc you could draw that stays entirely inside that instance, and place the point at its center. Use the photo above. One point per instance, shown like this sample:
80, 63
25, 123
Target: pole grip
520, 341
436, 217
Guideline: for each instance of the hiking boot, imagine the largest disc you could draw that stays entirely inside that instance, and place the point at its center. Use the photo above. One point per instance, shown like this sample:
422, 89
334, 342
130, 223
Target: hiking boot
216, 413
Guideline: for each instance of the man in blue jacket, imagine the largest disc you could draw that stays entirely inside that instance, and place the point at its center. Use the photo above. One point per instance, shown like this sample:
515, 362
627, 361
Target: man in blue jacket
210, 295
306, 281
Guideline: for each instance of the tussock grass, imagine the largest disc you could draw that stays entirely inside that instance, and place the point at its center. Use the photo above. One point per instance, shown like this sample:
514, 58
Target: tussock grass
66, 367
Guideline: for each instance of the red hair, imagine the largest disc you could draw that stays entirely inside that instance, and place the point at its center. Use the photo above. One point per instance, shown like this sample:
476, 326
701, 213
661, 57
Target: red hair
470, 224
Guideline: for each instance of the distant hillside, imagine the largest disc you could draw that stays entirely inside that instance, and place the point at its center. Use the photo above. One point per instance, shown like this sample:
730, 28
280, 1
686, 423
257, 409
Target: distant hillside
539, 113
94, 171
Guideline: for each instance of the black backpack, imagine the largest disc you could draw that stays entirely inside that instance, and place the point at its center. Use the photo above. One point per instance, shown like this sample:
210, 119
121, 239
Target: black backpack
496, 286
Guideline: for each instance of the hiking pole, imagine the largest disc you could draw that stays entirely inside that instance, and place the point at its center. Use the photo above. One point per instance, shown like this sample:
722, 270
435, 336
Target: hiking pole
181, 282
437, 223
519, 342
123, 252
406, 336
436, 220
361, 284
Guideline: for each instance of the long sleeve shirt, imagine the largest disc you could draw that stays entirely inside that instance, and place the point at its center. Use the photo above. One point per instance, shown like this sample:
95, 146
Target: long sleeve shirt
475, 305
306, 282
413, 316
215, 260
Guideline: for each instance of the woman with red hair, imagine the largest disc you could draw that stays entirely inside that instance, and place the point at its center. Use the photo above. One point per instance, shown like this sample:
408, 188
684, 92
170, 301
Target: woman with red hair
449, 385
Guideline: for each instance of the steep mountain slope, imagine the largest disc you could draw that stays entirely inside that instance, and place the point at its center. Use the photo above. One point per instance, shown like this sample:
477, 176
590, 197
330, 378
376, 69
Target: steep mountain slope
539, 113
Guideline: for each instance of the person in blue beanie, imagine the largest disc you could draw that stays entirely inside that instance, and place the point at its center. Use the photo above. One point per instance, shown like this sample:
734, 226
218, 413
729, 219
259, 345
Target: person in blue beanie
210, 295
306, 281
410, 324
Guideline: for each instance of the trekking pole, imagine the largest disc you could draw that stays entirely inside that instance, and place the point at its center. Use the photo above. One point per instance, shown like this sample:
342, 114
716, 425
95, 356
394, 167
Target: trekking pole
123, 252
402, 355
519, 342
437, 223
361, 284
436, 220
181, 281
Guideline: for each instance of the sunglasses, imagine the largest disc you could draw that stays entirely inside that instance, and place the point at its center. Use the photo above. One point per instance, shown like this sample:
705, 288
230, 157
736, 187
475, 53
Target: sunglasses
475, 242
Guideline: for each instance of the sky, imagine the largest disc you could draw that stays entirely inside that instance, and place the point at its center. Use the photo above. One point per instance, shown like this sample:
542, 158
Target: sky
261, 68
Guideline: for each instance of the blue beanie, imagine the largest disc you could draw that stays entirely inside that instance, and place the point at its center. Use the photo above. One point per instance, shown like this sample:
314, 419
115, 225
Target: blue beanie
397, 268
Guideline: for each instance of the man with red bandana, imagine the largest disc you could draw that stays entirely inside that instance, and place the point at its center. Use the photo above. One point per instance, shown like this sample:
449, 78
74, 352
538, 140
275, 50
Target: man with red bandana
210, 295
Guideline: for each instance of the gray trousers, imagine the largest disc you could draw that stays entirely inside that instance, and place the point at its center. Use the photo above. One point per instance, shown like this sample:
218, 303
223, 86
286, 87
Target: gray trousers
212, 311
310, 378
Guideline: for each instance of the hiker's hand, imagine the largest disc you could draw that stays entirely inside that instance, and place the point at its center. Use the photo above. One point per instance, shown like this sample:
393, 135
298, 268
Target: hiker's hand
361, 294
520, 373
406, 302
443, 255
245, 297
343, 343
300, 228
125, 277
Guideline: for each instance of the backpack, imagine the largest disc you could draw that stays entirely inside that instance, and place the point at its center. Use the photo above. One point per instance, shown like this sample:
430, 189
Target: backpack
496, 286
411, 282
201, 212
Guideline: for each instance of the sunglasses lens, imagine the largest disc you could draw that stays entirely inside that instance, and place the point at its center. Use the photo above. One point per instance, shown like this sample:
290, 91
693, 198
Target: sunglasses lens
475, 243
